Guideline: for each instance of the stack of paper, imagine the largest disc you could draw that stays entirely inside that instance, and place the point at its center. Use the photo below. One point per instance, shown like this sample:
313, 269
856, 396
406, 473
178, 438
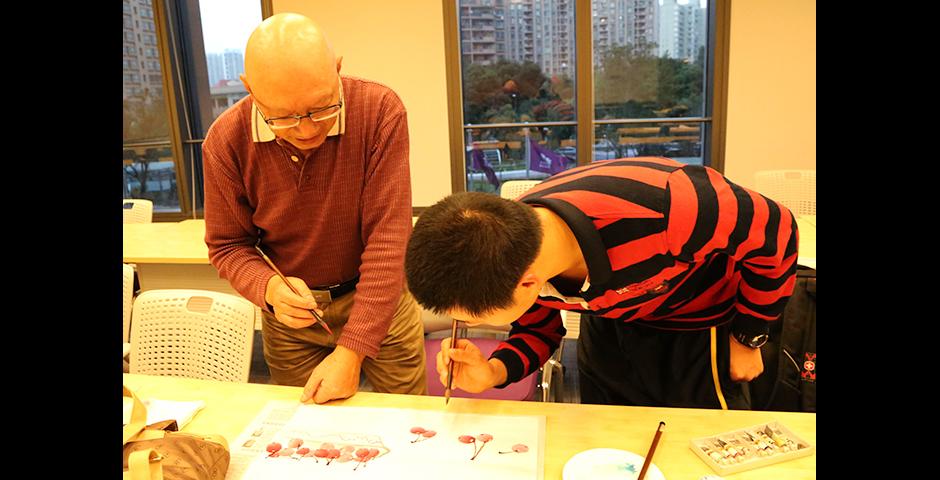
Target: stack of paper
159, 410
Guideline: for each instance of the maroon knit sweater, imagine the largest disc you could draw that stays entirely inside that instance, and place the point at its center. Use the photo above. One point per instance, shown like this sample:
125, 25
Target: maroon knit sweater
343, 211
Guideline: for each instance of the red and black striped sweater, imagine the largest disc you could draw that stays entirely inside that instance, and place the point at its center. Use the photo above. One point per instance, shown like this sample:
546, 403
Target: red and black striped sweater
673, 246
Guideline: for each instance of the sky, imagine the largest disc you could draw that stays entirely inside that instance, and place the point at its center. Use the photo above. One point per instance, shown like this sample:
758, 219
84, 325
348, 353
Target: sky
227, 24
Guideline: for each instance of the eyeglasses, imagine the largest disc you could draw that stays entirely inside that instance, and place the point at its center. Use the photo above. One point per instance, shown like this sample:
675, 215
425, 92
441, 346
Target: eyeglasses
318, 115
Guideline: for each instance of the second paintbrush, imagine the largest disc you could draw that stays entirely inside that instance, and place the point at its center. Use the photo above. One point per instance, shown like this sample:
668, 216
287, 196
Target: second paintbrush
450, 366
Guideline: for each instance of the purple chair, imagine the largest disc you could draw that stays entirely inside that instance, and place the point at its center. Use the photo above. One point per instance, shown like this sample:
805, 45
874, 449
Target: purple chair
526, 389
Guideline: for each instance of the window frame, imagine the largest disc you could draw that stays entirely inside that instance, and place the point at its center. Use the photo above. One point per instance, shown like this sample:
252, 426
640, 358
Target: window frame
716, 88
181, 55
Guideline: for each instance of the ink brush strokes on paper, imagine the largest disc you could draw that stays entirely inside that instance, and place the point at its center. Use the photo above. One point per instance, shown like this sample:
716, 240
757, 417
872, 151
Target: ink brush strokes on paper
289, 440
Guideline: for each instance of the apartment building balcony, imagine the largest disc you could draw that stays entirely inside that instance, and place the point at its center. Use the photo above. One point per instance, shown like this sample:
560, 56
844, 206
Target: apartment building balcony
478, 16
481, 58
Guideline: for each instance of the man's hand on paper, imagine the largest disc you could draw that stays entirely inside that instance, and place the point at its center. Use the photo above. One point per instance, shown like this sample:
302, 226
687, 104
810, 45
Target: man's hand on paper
337, 376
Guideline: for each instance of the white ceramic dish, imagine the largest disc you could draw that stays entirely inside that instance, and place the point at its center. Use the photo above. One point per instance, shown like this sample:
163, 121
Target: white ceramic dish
604, 463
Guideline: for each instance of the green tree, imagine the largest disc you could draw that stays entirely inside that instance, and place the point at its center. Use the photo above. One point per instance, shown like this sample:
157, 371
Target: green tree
630, 82
625, 75
145, 118
489, 89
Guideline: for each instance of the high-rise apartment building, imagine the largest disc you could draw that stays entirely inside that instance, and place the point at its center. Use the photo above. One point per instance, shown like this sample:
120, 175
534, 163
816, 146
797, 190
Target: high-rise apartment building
225, 66
482, 31
234, 64
610, 26
642, 24
520, 31
543, 31
682, 29
540, 31
216, 68
142, 78
553, 24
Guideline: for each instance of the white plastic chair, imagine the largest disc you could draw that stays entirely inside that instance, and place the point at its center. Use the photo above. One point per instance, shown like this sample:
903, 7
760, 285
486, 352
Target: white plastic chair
795, 189
137, 210
128, 304
513, 188
193, 333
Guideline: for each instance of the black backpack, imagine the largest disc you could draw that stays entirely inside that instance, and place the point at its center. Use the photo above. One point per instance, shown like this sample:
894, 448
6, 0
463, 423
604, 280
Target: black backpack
789, 379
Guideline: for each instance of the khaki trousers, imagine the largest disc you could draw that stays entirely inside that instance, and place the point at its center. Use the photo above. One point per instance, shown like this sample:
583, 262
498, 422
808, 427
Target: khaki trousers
399, 367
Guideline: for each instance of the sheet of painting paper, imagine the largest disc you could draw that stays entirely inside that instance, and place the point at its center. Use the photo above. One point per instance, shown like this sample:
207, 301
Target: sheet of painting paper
387, 433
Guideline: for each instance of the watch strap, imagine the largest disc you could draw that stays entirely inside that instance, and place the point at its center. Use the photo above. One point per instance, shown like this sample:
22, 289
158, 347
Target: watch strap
748, 326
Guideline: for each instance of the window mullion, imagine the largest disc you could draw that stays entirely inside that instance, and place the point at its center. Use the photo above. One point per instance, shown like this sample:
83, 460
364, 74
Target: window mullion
170, 96
584, 81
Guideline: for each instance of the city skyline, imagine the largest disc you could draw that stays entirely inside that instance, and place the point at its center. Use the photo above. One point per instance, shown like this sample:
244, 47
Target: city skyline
224, 66
542, 31
539, 31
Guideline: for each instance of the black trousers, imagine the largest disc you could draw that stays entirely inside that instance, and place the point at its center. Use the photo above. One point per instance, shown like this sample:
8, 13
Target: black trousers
633, 364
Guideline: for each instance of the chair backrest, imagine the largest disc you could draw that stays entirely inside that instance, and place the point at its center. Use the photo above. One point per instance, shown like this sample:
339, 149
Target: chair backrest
795, 189
525, 389
572, 321
487, 339
128, 299
193, 333
137, 210
513, 188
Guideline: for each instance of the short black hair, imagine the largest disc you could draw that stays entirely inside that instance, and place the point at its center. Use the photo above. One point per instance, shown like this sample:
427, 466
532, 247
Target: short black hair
469, 251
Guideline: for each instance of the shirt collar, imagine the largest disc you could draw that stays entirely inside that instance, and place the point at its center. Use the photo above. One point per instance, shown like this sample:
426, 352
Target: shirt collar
549, 290
589, 239
261, 132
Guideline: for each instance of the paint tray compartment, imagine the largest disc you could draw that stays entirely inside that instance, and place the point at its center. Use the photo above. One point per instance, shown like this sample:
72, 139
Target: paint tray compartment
751, 447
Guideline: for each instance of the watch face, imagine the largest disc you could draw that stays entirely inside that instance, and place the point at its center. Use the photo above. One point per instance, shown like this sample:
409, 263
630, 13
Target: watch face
758, 341
755, 341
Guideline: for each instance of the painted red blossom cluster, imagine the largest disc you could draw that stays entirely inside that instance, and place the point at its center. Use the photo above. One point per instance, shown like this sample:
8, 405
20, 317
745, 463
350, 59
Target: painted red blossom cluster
327, 451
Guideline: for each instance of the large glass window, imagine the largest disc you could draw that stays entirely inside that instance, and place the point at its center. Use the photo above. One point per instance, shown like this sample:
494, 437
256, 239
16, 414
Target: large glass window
149, 165
203, 45
226, 26
518, 70
649, 63
648, 73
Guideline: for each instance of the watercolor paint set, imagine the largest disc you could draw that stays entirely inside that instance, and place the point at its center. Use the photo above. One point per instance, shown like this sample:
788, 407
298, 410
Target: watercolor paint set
750, 448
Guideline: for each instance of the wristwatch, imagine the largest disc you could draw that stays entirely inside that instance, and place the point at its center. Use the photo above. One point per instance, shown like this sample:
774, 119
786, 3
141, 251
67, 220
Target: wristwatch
751, 341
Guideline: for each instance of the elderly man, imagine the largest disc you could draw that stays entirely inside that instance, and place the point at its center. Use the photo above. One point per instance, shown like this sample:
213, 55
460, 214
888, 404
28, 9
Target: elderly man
312, 167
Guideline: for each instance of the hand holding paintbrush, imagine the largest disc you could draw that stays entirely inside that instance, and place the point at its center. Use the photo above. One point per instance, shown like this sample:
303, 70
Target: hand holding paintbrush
461, 364
450, 365
267, 260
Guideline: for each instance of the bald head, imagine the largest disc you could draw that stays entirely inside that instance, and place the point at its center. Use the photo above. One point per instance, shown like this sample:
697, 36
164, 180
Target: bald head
288, 54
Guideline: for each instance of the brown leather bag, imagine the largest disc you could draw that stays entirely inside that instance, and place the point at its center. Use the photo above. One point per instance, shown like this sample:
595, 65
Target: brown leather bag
158, 451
